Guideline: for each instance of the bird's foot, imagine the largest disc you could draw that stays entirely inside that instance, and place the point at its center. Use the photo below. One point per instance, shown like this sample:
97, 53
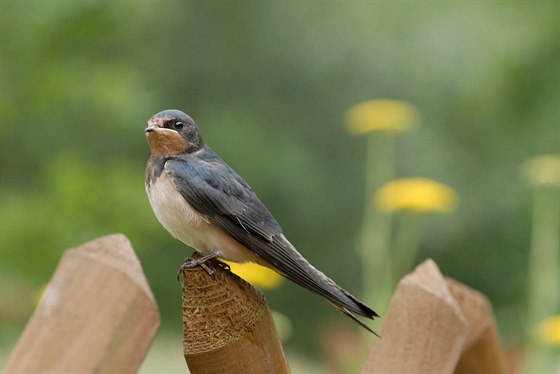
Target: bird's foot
192, 262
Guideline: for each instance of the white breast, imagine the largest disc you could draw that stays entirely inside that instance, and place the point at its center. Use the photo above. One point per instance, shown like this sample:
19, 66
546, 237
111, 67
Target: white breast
189, 226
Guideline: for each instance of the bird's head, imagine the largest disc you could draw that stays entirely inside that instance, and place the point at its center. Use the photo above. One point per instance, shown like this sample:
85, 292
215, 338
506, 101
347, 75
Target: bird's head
171, 133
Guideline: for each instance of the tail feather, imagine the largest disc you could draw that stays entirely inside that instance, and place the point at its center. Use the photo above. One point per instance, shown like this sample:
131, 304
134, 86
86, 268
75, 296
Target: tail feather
349, 314
307, 276
281, 256
319, 283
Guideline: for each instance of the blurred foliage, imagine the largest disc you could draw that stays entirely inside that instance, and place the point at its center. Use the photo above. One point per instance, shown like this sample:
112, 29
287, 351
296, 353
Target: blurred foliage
269, 84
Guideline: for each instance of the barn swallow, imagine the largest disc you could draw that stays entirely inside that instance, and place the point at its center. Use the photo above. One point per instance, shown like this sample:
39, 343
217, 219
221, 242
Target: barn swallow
205, 204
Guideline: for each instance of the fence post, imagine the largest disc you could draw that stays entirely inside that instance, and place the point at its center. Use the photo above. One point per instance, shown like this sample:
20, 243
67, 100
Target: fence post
97, 314
227, 327
424, 331
482, 353
437, 325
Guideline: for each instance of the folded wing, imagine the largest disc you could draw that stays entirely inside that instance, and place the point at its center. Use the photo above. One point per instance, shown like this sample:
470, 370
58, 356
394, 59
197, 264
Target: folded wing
215, 190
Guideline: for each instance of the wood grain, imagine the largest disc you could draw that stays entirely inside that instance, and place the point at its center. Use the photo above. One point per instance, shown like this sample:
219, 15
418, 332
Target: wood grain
97, 314
227, 327
424, 331
437, 325
482, 353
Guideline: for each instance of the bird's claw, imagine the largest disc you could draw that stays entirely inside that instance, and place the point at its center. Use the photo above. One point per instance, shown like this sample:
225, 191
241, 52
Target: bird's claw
193, 262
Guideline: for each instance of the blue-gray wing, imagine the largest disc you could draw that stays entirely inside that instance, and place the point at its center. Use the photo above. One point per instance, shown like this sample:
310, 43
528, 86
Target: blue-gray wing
215, 190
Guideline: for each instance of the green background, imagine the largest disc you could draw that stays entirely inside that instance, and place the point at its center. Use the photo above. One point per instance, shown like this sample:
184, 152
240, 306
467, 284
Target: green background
269, 83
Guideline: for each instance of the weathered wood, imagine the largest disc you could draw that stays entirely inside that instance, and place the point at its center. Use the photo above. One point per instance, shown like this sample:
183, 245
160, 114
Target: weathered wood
424, 331
482, 353
227, 327
97, 314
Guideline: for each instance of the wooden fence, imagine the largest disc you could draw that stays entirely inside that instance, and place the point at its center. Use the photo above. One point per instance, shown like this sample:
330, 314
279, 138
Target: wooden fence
98, 315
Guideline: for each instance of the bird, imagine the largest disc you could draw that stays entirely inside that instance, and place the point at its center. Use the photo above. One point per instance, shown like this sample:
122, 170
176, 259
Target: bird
201, 201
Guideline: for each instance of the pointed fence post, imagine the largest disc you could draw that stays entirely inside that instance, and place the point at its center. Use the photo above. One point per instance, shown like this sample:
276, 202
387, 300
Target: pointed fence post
482, 353
227, 326
424, 331
97, 314
437, 325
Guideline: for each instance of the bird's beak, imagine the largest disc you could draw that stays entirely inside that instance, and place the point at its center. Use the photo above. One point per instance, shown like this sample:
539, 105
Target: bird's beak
152, 128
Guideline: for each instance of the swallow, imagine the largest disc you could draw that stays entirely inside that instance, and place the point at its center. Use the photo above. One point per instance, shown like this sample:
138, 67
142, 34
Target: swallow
204, 203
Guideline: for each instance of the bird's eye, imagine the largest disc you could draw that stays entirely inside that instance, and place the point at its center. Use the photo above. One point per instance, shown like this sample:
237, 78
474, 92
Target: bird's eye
178, 125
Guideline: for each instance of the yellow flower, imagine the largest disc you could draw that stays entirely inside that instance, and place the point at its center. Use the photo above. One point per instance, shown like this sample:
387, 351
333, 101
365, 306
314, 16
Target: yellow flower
543, 170
381, 115
548, 330
256, 274
417, 195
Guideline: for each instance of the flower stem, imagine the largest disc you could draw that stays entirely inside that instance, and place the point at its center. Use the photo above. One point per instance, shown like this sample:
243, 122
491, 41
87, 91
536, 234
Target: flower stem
407, 241
376, 226
544, 261
544, 273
